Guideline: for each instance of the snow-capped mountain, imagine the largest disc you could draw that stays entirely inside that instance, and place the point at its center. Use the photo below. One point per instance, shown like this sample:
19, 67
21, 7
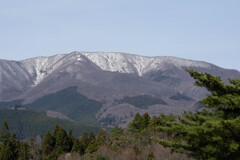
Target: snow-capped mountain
107, 77
41, 67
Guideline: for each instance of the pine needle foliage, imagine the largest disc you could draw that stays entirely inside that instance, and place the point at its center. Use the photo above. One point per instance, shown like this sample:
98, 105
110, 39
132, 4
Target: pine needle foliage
214, 132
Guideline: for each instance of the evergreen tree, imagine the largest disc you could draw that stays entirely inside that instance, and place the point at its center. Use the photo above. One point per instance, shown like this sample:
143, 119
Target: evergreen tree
77, 146
162, 120
55, 130
14, 144
5, 134
212, 133
92, 143
101, 137
146, 119
62, 142
48, 144
92, 146
137, 123
71, 138
91, 137
83, 143
23, 153
34, 150
6, 151
116, 132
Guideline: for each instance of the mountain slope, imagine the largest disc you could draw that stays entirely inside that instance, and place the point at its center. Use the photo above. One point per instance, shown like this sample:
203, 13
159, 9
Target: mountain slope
29, 123
108, 78
72, 104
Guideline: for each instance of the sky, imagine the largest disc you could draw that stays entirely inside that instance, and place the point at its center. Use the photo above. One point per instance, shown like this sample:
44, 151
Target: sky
204, 30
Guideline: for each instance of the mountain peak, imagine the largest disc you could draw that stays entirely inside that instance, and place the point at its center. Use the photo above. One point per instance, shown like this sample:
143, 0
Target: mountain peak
130, 63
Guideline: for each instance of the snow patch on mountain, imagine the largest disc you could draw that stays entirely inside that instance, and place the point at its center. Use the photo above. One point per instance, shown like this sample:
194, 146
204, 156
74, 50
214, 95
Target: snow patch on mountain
40, 67
129, 63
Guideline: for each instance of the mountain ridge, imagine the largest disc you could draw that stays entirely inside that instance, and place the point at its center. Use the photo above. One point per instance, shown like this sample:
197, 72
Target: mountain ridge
109, 77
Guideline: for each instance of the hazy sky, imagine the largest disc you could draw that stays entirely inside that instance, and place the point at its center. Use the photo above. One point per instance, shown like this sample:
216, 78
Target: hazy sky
205, 30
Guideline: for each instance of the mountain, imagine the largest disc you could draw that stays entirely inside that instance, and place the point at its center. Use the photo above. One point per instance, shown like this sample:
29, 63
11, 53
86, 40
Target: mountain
104, 88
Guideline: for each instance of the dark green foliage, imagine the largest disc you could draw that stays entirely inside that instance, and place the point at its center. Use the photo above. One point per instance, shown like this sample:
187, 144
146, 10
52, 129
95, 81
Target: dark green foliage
71, 103
10, 147
55, 145
92, 143
71, 138
48, 144
23, 151
62, 142
142, 101
30, 123
6, 145
150, 156
16, 146
92, 146
146, 119
180, 96
101, 157
212, 133
6, 153
139, 122
76, 146
55, 130
102, 137
116, 132
84, 143
5, 134
161, 120
91, 137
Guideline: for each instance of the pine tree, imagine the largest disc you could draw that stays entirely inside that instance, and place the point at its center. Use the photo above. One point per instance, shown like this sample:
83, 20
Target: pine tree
92, 146
212, 133
14, 144
137, 123
116, 133
6, 151
161, 120
146, 119
34, 150
92, 143
5, 134
71, 138
55, 130
77, 146
101, 137
62, 142
23, 153
91, 137
84, 143
48, 144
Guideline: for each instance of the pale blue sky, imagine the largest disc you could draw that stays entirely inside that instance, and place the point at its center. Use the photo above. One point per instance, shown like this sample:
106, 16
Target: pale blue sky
205, 30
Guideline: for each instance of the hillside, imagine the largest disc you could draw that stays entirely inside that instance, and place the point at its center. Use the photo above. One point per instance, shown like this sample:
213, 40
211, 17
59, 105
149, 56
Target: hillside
29, 123
70, 103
